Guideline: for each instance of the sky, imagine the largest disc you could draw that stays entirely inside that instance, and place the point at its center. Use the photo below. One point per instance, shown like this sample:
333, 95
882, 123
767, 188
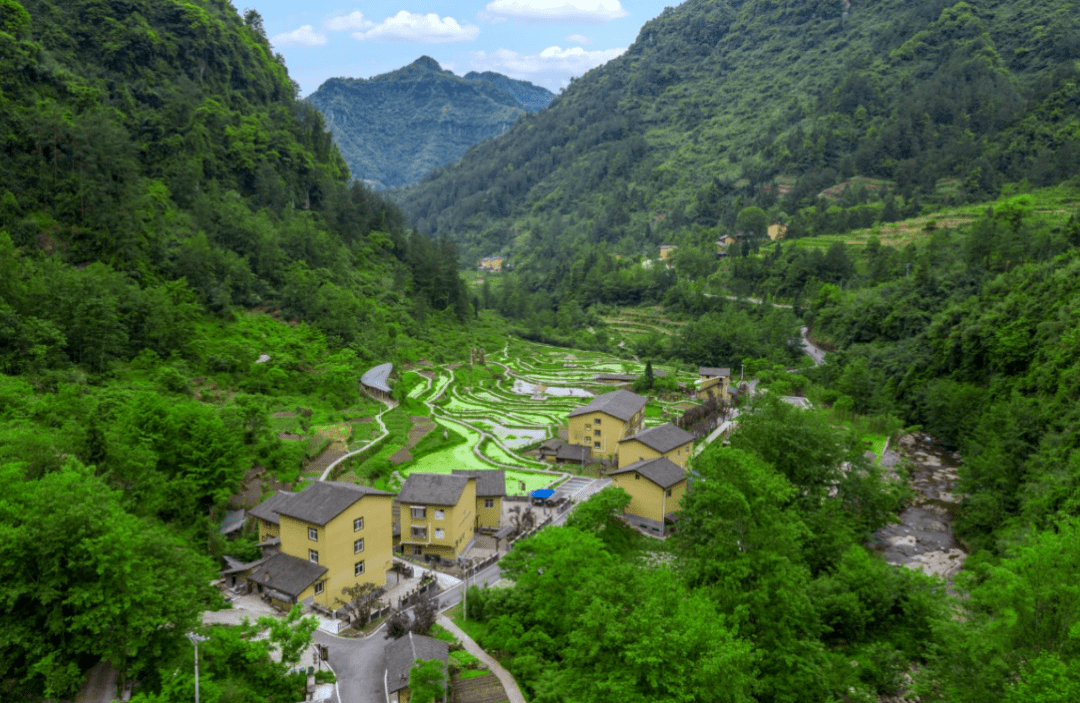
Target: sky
545, 42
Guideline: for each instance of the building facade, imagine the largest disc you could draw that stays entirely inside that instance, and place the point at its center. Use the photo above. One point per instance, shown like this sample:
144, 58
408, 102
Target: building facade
655, 489
438, 515
607, 419
667, 440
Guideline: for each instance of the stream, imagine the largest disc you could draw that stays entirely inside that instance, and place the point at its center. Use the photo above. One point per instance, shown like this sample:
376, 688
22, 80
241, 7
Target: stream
924, 538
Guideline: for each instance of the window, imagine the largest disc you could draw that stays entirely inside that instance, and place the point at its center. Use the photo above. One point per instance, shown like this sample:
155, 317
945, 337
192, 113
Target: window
489, 502
596, 433
596, 445
419, 532
597, 421
358, 546
358, 524
358, 568
268, 525
313, 534
440, 533
669, 493
637, 477
313, 556
418, 513
319, 587
417, 551
588, 426
440, 514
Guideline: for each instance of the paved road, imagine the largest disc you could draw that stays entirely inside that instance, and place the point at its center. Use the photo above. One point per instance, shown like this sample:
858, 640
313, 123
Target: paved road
816, 353
359, 665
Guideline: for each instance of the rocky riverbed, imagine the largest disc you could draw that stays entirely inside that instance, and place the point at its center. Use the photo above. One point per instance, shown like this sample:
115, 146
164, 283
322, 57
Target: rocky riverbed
924, 539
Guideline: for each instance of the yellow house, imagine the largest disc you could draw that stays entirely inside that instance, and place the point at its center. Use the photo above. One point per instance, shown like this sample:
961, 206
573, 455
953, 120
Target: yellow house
269, 524
776, 231
665, 440
607, 419
716, 379
667, 250
438, 515
490, 490
331, 535
401, 655
655, 488
491, 263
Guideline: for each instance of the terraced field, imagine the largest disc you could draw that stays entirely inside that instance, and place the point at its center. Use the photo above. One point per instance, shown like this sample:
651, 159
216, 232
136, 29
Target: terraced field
520, 398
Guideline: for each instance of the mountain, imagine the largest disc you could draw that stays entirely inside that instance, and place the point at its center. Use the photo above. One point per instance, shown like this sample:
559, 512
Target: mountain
398, 127
724, 104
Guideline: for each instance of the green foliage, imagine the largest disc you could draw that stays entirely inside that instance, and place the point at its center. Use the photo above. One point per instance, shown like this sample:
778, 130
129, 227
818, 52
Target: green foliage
85, 580
427, 680
601, 515
290, 635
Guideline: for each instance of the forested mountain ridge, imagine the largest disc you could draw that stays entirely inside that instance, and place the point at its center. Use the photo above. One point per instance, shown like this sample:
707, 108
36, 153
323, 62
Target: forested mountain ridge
395, 128
722, 105
182, 253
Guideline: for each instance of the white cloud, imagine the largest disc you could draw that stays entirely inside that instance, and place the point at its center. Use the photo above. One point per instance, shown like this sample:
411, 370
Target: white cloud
350, 22
304, 36
557, 10
419, 29
578, 39
551, 68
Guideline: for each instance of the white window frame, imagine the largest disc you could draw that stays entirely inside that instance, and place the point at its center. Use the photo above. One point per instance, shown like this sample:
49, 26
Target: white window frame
320, 587
421, 509
440, 533
358, 568
313, 534
358, 524
358, 546
313, 556
419, 532
440, 514
489, 502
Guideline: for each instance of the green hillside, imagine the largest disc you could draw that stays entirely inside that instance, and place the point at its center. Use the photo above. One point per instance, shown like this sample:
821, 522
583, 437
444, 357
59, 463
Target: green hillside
396, 128
721, 105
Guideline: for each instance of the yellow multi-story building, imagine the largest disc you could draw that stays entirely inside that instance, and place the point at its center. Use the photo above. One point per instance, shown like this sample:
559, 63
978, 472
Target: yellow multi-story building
330, 536
490, 491
607, 419
665, 440
438, 515
716, 380
655, 488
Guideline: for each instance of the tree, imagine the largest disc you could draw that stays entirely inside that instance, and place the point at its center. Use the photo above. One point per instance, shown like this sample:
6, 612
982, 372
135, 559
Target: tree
359, 600
752, 221
427, 680
601, 515
291, 635
397, 624
85, 580
424, 615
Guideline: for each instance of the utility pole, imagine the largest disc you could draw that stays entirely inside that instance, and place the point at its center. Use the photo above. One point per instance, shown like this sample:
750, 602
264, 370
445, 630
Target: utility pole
195, 639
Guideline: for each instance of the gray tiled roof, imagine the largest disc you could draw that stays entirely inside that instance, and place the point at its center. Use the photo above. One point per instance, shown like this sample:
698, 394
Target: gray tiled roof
573, 452
267, 510
662, 438
432, 489
661, 471
402, 653
552, 444
286, 573
322, 501
713, 371
619, 404
614, 377
490, 483
378, 377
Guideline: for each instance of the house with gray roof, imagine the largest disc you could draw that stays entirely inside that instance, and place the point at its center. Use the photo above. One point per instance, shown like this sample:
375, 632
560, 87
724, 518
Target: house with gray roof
438, 515
402, 654
714, 381
376, 381
667, 440
655, 487
490, 491
605, 420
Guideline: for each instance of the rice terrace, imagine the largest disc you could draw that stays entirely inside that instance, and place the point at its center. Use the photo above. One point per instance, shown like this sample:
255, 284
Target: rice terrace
486, 415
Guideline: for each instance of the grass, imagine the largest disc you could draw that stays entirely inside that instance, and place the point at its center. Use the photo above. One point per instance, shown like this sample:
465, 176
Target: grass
877, 444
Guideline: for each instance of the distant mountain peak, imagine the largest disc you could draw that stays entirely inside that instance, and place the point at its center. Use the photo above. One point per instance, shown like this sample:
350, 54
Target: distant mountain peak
426, 62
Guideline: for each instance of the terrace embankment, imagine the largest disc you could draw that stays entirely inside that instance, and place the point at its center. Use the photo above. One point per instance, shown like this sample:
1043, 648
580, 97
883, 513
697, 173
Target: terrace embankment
924, 536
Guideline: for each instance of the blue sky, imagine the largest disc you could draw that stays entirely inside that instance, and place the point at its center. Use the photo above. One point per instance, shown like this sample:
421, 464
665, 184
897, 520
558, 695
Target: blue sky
543, 41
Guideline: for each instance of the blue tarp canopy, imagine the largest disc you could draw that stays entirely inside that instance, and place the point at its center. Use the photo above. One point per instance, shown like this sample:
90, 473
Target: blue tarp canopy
542, 493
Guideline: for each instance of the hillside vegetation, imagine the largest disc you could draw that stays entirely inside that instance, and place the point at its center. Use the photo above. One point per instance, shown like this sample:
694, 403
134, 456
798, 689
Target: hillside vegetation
724, 105
396, 128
